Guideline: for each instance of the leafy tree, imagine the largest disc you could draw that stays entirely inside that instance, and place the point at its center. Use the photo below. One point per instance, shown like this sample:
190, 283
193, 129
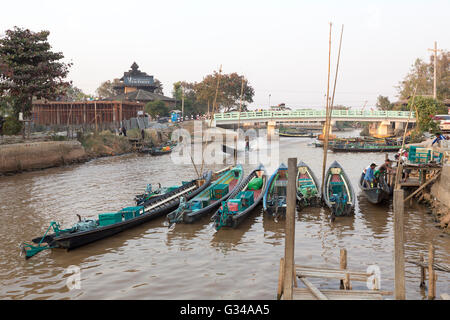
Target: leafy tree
426, 109
229, 91
192, 105
105, 90
73, 93
156, 108
383, 103
159, 87
422, 75
30, 69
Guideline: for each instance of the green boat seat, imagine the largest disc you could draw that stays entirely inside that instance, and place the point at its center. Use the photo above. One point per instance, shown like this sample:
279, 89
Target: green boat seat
106, 219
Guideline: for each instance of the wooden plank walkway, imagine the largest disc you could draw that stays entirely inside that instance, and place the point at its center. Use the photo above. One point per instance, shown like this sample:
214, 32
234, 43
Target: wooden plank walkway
306, 294
289, 271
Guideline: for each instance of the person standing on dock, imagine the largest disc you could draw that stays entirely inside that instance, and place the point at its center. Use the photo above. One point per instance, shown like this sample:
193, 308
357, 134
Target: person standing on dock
439, 137
387, 166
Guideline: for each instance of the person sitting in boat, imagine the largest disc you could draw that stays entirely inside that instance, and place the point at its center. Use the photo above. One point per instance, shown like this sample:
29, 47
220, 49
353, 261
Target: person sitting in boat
378, 173
369, 176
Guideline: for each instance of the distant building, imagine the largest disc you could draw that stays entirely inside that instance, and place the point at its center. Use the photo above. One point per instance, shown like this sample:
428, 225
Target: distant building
137, 86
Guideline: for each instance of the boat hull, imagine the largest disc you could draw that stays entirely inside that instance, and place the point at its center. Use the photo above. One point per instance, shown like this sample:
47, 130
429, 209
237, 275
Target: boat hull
314, 201
77, 239
193, 216
269, 207
337, 207
235, 220
375, 195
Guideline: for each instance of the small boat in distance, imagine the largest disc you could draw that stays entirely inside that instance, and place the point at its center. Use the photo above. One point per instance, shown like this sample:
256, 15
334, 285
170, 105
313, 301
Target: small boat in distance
210, 199
274, 201
308, 190
242, 201
89, 230
338, 192
297, 134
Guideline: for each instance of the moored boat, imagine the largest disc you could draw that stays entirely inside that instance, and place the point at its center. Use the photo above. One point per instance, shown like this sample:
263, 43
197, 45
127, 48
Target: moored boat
364, 148
210, 199
274, 200
89, 230
308, 190
338, 192
376, 193
297, 134
242, 201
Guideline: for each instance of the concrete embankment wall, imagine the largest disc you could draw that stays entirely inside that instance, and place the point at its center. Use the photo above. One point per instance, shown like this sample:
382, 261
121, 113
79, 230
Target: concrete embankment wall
440, 193
441, 189
39, 155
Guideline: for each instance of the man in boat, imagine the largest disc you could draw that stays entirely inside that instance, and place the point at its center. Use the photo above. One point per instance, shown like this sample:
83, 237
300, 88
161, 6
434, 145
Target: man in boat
438, 138
369, 176
378, 173
387, 166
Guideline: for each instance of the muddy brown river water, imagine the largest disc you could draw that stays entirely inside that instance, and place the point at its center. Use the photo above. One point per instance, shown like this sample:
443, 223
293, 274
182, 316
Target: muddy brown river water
193, 261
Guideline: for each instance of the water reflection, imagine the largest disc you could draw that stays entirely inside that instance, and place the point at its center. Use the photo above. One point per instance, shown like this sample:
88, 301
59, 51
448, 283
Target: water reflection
192, 261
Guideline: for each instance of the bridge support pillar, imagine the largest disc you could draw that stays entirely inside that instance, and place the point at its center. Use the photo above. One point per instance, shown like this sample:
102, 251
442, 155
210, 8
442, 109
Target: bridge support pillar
381, 130
399, 126
331, 136
270, 130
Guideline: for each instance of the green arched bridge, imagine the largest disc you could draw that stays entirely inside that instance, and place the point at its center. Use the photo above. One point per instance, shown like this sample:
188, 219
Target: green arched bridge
312, 116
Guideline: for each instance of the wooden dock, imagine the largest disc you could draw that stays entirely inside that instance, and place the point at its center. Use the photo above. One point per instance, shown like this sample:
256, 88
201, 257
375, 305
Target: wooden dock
290, 273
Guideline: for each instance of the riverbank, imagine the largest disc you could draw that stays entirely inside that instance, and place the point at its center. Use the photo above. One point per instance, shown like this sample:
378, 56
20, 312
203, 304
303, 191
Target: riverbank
19, 157
40, 153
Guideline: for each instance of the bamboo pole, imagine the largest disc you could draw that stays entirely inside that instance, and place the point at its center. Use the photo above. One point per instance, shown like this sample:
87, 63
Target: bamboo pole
397, 185
399, 254
337, 70
239, 120
290, 230
325, 145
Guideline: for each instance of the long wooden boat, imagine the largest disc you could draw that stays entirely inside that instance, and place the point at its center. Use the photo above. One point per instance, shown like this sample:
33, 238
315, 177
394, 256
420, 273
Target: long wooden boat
338, 192
308, 190
297, 134
274, 201
364, 148
242, 201
210, 199
377, 194
90, 230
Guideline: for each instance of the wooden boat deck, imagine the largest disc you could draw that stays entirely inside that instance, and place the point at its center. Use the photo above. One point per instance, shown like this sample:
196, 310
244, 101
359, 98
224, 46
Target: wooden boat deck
311, 292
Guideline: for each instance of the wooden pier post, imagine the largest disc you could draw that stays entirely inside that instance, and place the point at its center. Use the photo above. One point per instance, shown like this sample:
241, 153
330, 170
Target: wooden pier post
290, 231
431, 274
422, 272
399, 254
343, 264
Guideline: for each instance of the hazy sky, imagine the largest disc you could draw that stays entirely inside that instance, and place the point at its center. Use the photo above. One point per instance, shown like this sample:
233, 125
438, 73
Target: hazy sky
280, 46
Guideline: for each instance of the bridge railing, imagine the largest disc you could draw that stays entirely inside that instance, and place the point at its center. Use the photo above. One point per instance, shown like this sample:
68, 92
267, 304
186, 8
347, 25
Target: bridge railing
266, 114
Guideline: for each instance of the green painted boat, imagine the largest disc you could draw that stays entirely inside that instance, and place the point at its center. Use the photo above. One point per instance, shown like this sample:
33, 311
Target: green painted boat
210, 199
